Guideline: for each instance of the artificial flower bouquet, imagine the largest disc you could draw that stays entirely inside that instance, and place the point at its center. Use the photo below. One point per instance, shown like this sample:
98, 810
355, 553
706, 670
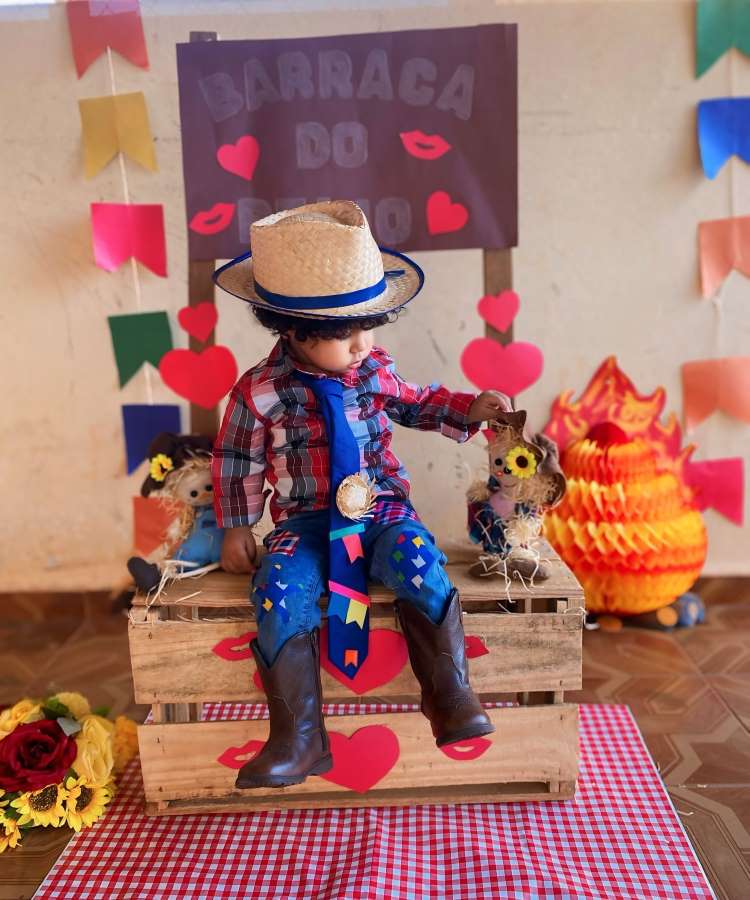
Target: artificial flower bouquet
58, 761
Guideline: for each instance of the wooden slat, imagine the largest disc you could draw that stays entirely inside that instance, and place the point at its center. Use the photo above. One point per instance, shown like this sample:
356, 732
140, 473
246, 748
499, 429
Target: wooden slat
531, 745
174, 662
510, 792
224, 590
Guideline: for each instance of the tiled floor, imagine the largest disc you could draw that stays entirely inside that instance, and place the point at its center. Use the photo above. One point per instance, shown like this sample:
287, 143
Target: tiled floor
689, 691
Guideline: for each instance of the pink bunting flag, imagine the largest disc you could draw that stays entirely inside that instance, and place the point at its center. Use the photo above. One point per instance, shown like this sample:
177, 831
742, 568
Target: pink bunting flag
719, 484
122, 230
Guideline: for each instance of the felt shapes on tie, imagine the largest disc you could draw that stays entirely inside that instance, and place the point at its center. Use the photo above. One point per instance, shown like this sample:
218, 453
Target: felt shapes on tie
348, 602
723, 131
723, 245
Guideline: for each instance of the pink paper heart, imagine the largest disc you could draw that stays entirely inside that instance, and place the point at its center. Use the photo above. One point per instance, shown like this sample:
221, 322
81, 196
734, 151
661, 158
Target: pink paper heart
510, 369
499, 310
240, 158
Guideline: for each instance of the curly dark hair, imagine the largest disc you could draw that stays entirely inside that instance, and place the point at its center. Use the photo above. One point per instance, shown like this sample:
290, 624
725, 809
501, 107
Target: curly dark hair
323, 329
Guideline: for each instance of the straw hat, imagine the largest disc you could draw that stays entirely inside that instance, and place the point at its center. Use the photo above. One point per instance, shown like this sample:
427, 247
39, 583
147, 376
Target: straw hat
320, 261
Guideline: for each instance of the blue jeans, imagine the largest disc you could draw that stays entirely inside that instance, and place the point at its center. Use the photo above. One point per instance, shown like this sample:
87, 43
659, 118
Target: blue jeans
300, 563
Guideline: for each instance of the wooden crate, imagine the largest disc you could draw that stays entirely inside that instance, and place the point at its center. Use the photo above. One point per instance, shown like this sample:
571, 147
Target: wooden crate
192, 647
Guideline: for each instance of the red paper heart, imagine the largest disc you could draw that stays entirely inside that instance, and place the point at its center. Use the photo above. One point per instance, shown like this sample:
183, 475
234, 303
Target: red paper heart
443, 215
203, 378
198, 321
475, 646
364, 759
240, 158
510, 369
499, 310
386, 656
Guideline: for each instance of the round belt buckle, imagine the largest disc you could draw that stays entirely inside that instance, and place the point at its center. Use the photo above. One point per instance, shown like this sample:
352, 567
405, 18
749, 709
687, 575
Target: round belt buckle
355, 496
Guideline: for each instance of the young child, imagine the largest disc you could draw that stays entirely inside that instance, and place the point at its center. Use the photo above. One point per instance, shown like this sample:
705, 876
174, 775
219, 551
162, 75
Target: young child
314, 419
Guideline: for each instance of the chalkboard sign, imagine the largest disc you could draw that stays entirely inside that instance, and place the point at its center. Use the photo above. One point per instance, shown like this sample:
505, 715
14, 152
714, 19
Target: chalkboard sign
419, 127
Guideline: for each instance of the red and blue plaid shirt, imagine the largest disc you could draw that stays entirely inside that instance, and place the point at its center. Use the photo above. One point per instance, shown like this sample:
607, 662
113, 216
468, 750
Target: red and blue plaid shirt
273, 430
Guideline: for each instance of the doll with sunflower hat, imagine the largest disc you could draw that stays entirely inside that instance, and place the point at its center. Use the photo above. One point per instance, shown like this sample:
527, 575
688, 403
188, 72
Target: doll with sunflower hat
505, 510
180, 472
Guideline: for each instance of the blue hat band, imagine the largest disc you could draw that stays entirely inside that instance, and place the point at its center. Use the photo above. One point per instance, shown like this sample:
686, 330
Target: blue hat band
326, 301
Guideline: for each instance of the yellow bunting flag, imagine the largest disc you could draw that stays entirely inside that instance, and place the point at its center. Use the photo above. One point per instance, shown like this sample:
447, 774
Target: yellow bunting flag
117, 123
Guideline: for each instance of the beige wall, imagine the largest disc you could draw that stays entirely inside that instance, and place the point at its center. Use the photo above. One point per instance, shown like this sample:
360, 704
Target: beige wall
610, 196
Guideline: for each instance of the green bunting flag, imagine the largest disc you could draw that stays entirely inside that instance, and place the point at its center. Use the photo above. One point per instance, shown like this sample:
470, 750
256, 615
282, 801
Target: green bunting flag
139, 338
720, 25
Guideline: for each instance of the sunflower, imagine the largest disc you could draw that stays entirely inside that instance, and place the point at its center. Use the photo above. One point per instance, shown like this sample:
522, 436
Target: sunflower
10, 833
85, 802
42, 807
521, 462
160, 465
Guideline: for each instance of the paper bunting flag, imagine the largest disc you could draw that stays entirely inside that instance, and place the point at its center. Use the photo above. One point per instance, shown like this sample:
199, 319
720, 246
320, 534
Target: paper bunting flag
116, 124
723, 245
152, 517
719, 26
138, 338
719, 484
723, 131
141, 423
122, 230
95, 25
715, 384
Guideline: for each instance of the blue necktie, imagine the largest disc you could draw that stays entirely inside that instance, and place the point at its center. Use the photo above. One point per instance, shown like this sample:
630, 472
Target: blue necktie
348, 602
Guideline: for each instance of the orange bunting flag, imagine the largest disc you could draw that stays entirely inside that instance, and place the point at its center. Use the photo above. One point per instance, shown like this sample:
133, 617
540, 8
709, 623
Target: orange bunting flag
723, 245
152, 518
95, 25
112, 125
715, 384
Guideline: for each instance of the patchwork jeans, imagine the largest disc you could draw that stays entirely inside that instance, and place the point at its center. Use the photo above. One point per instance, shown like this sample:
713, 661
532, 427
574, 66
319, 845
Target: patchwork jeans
401, 555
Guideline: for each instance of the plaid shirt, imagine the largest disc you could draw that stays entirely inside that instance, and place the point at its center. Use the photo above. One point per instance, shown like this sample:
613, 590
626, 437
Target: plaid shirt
273, 430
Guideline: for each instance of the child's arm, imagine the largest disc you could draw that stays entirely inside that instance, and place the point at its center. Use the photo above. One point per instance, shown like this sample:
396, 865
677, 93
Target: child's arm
456, 414
238, 472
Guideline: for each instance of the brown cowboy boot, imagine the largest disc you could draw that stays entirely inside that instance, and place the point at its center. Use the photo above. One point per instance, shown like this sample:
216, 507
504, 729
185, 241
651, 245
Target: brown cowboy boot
438, 658
297, 745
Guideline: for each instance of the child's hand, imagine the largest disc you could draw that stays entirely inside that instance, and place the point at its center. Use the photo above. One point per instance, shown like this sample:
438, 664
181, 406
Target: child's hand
487, 405
239, 553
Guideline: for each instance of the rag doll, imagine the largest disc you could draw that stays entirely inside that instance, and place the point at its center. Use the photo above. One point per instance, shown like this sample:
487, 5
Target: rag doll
505, 511
180, 472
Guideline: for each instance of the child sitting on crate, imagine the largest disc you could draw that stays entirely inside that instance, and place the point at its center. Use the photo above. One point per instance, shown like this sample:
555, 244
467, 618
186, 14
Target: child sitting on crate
314, 419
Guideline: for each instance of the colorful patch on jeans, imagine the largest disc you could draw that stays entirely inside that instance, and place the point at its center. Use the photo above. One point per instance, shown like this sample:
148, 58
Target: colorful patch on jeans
412, 557
281, 542
272, 596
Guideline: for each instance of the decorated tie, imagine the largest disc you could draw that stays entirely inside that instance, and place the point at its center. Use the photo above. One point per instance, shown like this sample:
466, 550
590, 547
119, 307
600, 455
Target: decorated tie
348, 602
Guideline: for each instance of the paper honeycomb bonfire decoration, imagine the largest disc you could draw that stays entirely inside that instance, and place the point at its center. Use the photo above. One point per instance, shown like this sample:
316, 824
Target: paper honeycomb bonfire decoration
629, 526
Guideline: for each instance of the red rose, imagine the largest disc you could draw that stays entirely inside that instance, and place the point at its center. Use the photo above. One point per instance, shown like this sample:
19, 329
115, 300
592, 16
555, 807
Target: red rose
34, 755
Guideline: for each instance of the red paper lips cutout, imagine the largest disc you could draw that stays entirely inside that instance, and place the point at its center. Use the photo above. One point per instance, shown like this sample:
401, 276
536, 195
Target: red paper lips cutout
214, 220
424, 146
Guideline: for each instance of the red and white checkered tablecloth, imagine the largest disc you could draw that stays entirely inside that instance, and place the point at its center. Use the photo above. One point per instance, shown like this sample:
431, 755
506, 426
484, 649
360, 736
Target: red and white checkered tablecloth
619, 838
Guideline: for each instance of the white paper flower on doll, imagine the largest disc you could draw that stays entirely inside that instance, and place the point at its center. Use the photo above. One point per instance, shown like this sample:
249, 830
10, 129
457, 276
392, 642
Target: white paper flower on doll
180, 472
505, 511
